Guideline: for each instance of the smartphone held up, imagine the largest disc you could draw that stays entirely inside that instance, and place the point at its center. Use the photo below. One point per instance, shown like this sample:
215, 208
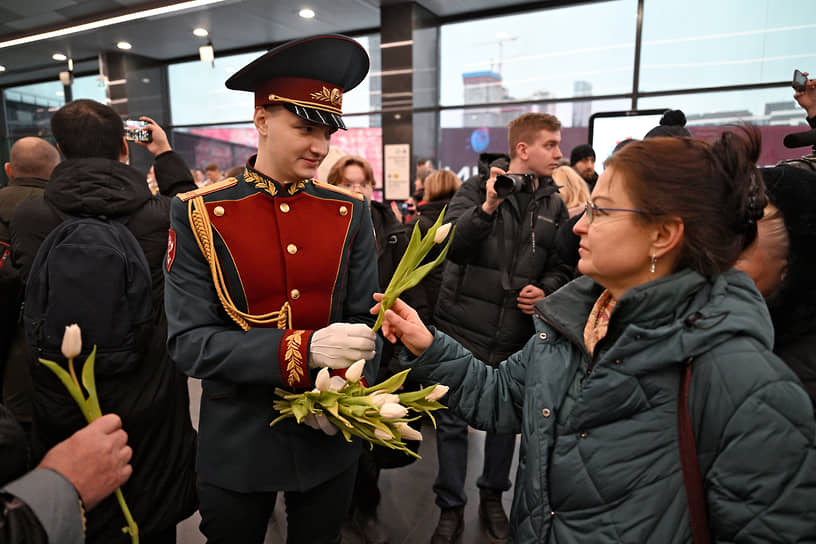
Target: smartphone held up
136, 131
799, 82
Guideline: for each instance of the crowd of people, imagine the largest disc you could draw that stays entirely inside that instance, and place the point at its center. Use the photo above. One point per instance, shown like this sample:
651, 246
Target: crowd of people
648, 333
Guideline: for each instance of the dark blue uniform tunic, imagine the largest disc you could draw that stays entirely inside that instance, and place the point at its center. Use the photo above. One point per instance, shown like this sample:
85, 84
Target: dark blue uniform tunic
304, 252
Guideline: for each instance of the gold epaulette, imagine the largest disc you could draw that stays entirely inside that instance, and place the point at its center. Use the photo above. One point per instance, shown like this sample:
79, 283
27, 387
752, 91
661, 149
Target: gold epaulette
207, 189
337, 189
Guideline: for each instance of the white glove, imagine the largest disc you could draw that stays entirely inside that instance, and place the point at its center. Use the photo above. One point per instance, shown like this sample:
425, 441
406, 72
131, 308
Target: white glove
320, 423
341, 344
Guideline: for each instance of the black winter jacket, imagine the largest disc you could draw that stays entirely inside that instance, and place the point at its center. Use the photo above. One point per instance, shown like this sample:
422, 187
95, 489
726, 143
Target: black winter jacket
491, 258
18, 190
392, 241
153, 400
793, 304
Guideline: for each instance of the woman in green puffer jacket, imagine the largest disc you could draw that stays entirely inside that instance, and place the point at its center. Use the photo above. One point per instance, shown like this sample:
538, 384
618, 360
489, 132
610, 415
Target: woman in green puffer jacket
595, 392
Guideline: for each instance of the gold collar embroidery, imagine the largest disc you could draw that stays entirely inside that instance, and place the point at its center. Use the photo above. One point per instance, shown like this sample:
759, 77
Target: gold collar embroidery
269, 185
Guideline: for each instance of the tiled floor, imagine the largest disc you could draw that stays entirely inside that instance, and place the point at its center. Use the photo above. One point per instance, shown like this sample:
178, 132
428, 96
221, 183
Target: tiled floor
407, 510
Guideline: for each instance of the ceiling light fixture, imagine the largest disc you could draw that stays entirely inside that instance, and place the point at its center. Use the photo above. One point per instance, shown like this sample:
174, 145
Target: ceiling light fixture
2, 68
181, 6
124, 45
201, 32
307, 13
59, 56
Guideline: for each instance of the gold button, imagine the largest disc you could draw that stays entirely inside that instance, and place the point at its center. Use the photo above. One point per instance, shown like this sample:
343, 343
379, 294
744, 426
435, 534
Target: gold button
584, 435
292, 249
284, 207
546, 412
343, 211
294, 294
219, 211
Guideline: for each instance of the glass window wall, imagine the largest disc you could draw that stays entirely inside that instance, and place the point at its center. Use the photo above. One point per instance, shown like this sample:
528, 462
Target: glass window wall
773, 110
700, 43
198, 95
554, 53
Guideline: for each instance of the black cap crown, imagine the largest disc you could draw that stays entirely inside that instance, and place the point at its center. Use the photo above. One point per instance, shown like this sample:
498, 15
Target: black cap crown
308, 76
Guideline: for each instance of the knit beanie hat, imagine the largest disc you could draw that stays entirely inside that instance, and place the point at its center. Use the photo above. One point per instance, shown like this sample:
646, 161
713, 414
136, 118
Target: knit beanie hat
581, 152
672, 125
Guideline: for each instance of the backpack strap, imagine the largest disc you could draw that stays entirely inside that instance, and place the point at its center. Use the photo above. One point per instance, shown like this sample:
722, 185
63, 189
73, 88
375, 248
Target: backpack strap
692, 478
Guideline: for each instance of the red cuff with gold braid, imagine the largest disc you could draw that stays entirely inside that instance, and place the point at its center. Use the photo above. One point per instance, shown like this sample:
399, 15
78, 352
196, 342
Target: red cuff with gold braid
293, 358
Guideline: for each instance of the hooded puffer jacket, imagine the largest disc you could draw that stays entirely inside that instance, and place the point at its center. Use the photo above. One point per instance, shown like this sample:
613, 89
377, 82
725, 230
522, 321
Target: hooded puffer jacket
599, 458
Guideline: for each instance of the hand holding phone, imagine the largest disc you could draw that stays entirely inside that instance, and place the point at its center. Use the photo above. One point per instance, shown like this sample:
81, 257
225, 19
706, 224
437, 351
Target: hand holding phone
799, 82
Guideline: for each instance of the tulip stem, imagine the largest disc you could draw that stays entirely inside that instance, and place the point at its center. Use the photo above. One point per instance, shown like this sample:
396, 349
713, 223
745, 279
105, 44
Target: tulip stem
409, 272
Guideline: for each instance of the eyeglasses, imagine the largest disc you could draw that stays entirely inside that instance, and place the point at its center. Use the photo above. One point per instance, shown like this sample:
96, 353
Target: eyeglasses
590, 210
354, 186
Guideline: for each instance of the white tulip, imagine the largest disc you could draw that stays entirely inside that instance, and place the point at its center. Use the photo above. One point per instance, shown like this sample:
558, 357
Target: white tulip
355, 371
442, 233
438, 392
337, 383
72, 341
379, 398
323, 380
391, 410
382, 435
408, 432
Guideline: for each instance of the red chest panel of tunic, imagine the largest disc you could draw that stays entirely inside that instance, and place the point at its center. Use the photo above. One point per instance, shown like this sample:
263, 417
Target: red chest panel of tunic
285, 249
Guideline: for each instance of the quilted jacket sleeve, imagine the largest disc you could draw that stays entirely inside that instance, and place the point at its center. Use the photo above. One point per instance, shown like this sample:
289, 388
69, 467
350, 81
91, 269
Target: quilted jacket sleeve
756, 450
488, 398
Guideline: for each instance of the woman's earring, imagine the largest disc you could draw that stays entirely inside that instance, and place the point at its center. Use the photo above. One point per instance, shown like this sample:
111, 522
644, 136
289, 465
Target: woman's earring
652, 265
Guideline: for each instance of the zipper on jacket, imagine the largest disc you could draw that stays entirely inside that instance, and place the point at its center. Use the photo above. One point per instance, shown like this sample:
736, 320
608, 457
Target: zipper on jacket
532, 229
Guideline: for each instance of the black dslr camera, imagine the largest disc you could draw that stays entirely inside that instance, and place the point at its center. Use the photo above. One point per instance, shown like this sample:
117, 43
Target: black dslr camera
506, 184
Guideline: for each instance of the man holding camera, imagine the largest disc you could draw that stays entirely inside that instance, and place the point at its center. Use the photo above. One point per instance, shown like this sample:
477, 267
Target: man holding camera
501, 261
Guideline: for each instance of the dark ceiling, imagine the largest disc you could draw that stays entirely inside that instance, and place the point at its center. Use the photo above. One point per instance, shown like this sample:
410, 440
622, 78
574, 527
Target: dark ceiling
233, 25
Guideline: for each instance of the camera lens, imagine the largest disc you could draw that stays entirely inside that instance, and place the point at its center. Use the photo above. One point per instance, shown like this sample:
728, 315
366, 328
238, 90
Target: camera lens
503, 186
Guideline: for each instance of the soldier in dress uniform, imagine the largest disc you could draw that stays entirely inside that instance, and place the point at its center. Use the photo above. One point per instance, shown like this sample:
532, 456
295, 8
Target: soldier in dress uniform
269, 277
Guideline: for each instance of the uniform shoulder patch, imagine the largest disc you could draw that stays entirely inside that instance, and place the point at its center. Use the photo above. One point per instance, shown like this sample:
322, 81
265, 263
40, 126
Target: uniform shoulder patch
337, 189
207, 189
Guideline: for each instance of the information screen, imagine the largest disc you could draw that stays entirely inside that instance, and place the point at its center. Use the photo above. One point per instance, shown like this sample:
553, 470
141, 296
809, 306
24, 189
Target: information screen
607, 129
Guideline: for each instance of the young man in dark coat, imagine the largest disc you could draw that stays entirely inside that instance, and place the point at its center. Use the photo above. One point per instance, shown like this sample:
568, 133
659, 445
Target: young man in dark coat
152, 399
501, 261
265, 270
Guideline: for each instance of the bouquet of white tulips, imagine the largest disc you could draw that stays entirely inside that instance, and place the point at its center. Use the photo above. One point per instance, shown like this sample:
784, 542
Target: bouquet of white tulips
376, 414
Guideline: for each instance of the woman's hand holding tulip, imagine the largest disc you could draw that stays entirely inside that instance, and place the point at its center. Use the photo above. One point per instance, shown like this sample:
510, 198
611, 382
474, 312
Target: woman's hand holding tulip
401, 322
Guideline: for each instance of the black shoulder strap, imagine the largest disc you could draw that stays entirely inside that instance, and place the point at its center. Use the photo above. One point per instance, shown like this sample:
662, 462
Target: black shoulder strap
692, 478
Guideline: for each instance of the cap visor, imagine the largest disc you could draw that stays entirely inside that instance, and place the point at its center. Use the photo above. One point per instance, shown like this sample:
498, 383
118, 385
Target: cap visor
319, 117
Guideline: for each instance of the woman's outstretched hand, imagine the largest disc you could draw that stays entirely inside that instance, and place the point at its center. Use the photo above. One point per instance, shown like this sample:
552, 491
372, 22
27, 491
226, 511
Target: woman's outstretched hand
401, 322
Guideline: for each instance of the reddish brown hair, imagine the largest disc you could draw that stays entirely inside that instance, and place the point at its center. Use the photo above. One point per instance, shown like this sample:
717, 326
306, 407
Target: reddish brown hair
525, 128
335, 176
715, 189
